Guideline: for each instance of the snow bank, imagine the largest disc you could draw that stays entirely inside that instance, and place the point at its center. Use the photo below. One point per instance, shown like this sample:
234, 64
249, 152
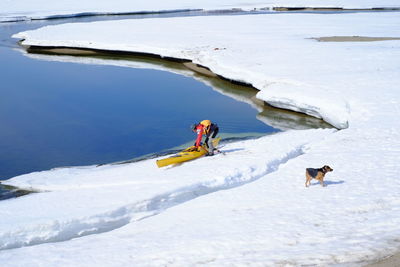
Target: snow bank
131, 192
303, 98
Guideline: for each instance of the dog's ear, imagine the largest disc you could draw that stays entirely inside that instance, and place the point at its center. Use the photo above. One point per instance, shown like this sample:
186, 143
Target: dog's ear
327, 168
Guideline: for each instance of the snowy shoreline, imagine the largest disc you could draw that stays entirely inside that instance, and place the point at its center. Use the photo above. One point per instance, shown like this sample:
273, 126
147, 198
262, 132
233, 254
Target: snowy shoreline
252, 208
22, 10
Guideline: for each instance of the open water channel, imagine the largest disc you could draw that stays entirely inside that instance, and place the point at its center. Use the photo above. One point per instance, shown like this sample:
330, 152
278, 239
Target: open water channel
82, 110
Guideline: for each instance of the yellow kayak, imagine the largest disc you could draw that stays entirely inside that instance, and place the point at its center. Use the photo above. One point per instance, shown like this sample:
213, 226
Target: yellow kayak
189, 153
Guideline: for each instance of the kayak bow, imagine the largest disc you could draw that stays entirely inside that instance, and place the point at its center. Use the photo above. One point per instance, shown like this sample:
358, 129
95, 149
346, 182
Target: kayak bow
189, 153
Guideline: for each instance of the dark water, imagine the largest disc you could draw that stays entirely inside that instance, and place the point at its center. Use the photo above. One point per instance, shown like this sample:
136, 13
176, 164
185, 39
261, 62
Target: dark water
56, 113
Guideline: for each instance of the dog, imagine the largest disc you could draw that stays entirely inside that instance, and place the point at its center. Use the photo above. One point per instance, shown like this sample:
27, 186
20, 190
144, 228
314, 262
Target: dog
317, 174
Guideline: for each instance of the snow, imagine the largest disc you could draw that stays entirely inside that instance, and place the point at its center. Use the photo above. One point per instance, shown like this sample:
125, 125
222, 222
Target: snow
133, 191
18, 10
250, 206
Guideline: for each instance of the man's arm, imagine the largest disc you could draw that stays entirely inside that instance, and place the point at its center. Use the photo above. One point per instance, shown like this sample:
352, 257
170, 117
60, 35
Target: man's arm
199, 131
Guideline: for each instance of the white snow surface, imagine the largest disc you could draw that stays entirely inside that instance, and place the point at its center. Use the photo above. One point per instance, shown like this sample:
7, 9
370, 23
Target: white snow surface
17, 10
250, 206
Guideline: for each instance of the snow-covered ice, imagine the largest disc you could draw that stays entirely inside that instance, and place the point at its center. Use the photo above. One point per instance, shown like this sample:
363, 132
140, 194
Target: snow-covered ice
18, 10
250, 206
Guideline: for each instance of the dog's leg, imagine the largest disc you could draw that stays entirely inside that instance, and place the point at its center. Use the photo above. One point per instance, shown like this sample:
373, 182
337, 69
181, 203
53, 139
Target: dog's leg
308, 179
321, 180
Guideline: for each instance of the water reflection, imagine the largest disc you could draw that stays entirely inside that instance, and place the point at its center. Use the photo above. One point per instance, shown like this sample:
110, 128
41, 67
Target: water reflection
278, 118
7, 192
275, 117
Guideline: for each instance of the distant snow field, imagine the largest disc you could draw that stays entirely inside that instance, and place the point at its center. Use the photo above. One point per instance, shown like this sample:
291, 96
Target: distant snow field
249, 206
19, 10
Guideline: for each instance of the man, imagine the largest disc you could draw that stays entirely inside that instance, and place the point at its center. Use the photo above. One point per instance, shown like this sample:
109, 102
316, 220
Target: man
209, 129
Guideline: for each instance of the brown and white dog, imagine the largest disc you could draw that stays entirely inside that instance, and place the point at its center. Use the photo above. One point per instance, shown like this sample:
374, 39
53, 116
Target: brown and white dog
318, 174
